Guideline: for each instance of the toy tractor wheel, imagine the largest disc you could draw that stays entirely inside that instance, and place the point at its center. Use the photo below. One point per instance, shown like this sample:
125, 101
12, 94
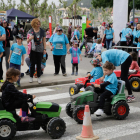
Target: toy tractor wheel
135, 83
89, 88
56, 128
7, 130
78, 114
68, 110
73, 90
120, 110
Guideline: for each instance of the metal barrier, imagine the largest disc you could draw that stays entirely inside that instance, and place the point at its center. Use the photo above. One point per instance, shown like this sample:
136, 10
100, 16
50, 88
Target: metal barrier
124, 47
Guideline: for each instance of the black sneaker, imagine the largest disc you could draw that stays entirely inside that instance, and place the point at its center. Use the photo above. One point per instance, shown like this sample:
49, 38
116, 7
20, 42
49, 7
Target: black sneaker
27, 72
64, 74
55, 74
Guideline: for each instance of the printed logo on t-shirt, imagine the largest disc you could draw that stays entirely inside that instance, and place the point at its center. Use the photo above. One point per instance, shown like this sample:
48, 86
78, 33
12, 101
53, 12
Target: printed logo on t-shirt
59, 46
17, 51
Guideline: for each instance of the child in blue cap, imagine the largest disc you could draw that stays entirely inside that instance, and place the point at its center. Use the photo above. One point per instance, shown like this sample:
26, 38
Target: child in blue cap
97, 71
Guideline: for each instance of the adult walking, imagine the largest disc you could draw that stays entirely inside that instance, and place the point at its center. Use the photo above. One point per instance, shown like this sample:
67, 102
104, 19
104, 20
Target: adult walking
119, 57
109, 34
89, 34
69, 31
59, 48
38, 39
77, 34
124, 32
6, 43
2, 38
102, 30
27, 27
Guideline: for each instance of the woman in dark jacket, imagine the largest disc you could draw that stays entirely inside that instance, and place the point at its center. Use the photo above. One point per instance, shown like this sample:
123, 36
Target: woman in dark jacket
6, 43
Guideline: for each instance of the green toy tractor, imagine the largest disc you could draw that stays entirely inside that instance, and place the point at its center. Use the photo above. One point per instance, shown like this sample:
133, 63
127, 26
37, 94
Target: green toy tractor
46, 115
116, 105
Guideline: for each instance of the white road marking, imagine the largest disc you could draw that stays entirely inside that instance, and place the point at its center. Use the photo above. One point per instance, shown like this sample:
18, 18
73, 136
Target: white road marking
113, 131
38, 90
52, 97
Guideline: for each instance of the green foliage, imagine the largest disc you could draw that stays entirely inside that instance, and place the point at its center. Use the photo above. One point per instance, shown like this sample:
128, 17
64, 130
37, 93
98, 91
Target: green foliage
6, 6
109, 3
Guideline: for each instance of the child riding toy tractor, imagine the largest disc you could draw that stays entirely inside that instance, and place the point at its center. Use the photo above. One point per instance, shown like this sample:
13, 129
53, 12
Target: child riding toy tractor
134, 79
46, 115
116, 105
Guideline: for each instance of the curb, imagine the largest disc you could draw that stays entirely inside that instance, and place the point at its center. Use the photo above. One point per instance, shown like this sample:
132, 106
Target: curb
32, 85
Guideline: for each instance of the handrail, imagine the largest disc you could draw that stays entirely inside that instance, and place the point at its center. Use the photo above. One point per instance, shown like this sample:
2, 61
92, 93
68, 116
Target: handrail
125, 47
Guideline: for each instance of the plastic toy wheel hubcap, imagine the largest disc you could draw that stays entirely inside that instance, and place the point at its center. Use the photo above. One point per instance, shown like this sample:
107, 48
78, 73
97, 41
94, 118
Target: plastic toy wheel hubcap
72, 91
80, 114
135, 84
57, 128
5, 131
121, 110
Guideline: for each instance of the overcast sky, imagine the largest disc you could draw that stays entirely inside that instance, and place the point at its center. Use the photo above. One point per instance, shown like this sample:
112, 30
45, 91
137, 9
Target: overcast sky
49, 1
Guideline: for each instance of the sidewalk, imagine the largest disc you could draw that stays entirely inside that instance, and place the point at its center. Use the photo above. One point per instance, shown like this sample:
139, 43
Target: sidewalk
48, 78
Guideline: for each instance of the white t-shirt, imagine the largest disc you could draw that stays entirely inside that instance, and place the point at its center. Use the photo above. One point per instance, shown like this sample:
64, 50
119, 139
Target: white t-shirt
98, 47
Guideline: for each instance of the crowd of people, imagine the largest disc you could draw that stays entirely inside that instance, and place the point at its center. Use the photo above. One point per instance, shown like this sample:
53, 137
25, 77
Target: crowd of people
61, 45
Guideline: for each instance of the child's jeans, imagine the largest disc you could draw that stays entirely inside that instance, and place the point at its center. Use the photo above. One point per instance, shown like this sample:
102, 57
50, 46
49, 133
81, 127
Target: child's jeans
105, 95
73, 67
16, 67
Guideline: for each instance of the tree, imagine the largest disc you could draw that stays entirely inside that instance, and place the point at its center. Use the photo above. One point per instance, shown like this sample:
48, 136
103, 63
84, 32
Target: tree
109, 3
21, 7
73, 8
9, 5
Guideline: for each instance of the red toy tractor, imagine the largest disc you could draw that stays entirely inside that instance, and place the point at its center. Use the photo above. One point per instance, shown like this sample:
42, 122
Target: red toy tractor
83, 82
134, 79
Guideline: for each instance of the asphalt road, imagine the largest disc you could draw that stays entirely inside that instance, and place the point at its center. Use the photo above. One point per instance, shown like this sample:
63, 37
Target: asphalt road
107, 128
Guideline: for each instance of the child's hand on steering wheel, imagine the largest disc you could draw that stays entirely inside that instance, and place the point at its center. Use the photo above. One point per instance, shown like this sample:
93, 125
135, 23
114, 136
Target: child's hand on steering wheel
33, 96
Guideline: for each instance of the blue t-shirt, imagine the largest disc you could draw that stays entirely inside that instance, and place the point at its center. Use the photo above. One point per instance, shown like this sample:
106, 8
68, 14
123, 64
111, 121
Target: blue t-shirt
76, 32
75, 52
124, 32
17, 53
59, 43
117, 57
138, 45
97, 73
1, 50
45, 62
2, 32
114, 83
109, 33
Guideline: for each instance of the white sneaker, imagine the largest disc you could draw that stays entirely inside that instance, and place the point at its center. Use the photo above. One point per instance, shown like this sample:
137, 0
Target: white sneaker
39, 80
99, 112
31, 80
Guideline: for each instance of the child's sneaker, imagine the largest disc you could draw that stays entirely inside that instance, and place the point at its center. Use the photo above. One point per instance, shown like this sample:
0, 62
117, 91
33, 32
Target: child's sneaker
99, 112
76, 73
1, 81
130, 98
27, 119
72, 73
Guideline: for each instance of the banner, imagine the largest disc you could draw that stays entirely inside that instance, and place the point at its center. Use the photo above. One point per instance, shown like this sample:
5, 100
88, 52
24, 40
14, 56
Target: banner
120, 17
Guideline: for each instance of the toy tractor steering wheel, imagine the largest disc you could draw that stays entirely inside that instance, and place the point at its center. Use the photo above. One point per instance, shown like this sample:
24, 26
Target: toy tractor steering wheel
89, 76
30, 100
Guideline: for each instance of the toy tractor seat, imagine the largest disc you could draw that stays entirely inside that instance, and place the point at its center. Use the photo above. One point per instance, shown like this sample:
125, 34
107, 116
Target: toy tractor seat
1, 105
120, 87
